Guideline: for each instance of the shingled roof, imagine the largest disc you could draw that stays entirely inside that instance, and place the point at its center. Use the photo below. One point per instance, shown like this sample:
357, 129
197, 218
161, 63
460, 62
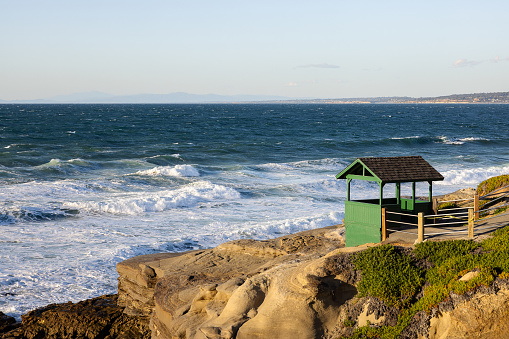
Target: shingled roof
393, 169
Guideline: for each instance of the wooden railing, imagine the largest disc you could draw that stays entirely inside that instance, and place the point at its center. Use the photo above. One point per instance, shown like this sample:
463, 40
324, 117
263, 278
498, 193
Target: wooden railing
467, 215
439, 220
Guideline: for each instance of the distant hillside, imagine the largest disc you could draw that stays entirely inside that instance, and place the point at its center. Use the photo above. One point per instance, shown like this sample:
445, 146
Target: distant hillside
475, 98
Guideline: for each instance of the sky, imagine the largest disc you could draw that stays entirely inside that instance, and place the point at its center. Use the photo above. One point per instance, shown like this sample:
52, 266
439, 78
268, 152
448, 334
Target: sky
300, 49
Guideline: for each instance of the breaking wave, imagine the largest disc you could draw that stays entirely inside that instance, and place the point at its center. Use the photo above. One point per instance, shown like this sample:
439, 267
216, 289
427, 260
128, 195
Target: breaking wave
186, 196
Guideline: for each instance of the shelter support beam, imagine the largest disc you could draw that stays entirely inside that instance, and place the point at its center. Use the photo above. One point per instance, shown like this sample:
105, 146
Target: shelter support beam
381, 184
413, 194
398, 193
348, 189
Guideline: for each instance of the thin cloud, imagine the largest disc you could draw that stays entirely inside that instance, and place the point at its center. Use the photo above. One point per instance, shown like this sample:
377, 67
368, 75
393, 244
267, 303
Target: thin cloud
465, 63
323, 65
499, 59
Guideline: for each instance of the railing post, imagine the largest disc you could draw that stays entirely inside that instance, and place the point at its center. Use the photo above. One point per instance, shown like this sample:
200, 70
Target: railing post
384, 227
476, 206
470, 223
420, 227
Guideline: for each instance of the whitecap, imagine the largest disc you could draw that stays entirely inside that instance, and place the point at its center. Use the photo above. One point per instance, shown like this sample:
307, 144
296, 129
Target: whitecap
473, 139
403, 138
459, 141
176, 171
52, 163
447, 141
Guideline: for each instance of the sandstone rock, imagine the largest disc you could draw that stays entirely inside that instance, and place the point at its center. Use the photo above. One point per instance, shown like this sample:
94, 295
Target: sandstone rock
242, 289
484, 316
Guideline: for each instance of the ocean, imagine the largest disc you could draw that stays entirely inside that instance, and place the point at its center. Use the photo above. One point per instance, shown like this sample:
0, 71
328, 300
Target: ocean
83, 187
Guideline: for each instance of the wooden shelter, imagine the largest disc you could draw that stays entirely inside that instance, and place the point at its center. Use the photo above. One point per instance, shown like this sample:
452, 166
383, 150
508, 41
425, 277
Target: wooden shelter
363, 218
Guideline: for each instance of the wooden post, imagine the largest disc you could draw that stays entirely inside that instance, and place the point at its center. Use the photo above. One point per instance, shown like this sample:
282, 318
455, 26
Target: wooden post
470, 223
384, 227
435, 206
420, 227
476, 206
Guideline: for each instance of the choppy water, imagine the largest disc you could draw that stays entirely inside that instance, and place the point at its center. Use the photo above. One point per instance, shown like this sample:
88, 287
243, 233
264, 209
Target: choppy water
83, 187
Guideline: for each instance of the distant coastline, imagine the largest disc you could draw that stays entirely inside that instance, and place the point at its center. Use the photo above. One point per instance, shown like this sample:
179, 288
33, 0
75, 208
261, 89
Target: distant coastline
187, 98
475, 98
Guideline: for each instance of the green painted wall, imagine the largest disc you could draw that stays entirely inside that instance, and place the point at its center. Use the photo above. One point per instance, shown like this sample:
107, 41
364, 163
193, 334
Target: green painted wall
363, 223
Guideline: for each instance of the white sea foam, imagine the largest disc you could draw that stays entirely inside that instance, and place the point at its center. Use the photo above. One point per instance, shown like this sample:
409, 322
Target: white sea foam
294, 225
266, 229
472, 176
327, 164
137, 203
176, 171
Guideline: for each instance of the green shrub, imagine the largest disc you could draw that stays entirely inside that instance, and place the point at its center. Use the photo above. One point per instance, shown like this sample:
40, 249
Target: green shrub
497, 250
388, 275
439, 251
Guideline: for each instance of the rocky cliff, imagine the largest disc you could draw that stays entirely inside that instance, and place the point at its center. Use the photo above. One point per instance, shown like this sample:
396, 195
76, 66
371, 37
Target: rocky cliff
298, 286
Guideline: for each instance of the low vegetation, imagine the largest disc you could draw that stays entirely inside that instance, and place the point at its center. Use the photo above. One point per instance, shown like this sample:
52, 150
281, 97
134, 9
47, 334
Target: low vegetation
491, 202
400, 280
491, 184
447, 205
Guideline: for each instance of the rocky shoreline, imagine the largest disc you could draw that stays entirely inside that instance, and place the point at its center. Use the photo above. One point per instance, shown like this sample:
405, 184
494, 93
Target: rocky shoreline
99, 317
302, 285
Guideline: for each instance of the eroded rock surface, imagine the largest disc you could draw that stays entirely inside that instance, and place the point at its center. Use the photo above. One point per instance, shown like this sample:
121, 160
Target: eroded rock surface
483, 315
245, 289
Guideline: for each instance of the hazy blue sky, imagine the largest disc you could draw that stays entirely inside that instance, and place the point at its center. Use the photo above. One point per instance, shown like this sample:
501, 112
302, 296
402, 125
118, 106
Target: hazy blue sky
324, 49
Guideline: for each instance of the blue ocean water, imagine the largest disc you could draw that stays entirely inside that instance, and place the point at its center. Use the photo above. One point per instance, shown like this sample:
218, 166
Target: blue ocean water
83, 187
